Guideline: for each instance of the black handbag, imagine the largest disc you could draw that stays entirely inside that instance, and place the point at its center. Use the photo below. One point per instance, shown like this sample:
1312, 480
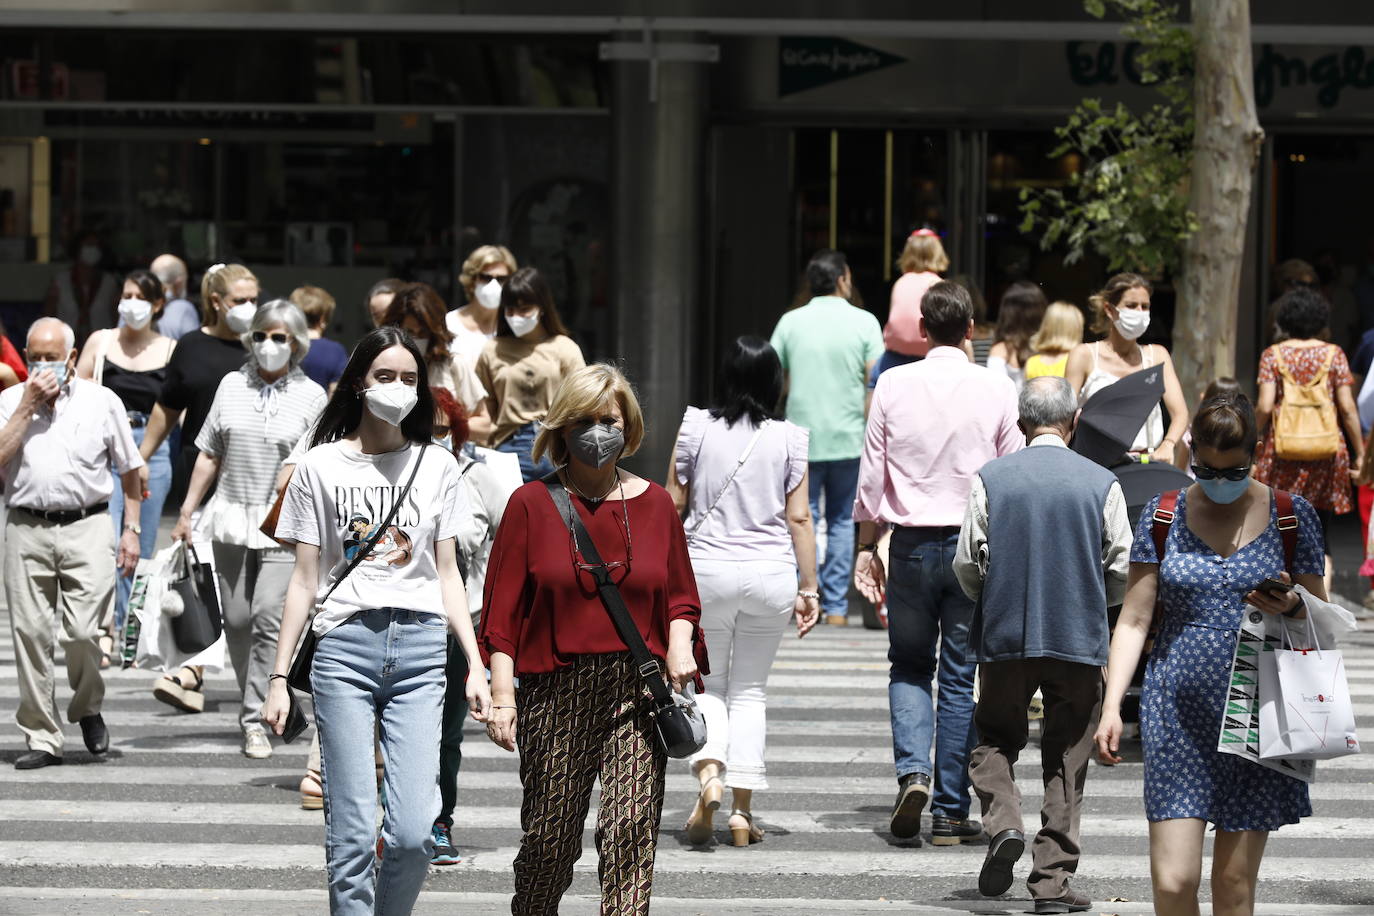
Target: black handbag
199, 624
681, 728
298, 675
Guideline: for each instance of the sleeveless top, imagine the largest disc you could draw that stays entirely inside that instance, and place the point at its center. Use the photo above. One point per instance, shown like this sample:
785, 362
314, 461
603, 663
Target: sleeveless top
1152, 433
1039, 366
138, 390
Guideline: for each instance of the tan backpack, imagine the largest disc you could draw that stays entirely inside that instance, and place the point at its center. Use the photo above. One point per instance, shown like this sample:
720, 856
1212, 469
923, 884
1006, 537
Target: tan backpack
1305, 427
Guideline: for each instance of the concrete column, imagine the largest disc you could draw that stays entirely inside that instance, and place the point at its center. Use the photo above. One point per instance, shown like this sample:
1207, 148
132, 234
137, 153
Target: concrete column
657, 268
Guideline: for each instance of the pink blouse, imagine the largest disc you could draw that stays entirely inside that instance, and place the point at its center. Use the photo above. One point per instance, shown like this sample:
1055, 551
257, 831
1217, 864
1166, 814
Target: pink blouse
903, 333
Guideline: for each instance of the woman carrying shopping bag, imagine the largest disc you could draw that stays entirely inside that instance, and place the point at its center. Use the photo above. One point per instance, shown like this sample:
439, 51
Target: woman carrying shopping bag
367, 491
739, 472
1223, 542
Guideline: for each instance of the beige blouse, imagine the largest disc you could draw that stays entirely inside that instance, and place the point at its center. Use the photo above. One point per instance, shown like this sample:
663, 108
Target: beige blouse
521, 377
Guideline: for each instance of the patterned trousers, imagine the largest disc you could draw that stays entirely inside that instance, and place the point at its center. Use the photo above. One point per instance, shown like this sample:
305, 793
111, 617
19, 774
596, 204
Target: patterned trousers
588, 720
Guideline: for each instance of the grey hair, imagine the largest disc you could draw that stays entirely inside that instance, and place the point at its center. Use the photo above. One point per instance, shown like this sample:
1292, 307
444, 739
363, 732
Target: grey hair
68, 335
1046, 401
284, 312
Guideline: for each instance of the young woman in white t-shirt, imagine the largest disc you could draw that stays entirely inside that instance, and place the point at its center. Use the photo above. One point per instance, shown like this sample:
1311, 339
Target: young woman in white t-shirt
383, 631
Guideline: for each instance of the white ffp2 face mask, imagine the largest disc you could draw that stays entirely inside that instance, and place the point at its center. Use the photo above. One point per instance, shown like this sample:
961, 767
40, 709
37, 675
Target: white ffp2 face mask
489, 295
240, 317
136, 312
520, 325
1132, 323
272, 356
391, 402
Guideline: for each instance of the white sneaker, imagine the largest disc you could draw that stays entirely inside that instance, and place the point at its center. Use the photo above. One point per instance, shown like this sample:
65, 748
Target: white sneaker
255, 744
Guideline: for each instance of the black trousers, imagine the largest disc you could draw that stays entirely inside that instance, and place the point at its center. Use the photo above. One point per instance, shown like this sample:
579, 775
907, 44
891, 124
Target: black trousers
451, 734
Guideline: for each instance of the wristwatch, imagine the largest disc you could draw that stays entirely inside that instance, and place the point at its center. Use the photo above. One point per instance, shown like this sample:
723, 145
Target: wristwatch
868, 548
134, 527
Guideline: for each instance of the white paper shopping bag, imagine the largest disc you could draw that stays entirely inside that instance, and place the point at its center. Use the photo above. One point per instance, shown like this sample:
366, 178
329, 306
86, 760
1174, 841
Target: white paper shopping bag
1310, 715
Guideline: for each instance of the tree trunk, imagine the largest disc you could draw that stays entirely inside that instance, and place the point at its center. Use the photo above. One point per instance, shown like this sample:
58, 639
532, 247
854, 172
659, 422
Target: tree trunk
1226, 141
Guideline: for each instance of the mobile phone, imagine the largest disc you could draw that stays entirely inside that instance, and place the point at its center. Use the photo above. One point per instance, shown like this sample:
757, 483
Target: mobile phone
296, 722
1274, 585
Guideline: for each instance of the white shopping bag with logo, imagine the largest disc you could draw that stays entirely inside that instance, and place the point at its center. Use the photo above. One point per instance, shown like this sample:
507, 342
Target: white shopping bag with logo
1305, 707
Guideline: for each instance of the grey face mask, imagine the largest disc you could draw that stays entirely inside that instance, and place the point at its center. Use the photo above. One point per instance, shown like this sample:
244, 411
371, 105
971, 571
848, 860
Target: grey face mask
596, 444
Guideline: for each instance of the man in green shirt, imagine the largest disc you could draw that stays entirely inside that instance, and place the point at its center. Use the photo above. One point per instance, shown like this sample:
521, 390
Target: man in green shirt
828, 347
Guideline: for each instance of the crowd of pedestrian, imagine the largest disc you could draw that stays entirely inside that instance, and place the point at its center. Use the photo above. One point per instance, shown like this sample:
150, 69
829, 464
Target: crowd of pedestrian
440, 523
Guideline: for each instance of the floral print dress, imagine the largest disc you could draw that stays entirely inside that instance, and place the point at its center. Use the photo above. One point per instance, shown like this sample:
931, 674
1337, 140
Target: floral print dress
1203, 596
1324, 483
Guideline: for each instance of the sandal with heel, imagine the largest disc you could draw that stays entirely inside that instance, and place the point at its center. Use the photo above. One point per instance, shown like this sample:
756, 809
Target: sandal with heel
699, 827
173, 691
743, 830
312, 791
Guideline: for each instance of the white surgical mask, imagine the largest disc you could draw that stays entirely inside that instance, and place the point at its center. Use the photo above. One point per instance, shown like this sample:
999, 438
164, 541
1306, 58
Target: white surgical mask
58, 369
489, 295
520, 325
1131, 323
272, 356
240, 317
136, 313
90, 255
391, 402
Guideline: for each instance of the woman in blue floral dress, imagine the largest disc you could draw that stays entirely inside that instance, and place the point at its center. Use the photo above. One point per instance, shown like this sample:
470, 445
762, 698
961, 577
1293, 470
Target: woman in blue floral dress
1223, 542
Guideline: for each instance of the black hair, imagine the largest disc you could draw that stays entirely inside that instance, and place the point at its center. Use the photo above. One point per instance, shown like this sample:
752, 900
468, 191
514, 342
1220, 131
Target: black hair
1018, 317
825, 270
344, 411
947, 309
149, 287
1302, 313
751, 382
527, 286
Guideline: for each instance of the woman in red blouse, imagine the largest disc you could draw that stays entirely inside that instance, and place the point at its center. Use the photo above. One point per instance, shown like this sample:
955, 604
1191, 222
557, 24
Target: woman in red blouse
583, 710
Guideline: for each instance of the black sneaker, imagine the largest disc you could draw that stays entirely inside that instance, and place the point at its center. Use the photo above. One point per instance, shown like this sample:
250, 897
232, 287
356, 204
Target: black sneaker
445, 853
995, 877
951, 831
912, 794
1071, 902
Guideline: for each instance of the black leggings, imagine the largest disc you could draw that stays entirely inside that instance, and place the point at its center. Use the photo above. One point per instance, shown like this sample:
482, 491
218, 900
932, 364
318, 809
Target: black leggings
451, 734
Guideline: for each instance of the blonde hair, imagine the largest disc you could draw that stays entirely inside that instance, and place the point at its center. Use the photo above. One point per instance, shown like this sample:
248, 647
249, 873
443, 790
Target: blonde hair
584, 394
923, 253
1112, 294
316, 303
216, 283
482, 258
1060, 330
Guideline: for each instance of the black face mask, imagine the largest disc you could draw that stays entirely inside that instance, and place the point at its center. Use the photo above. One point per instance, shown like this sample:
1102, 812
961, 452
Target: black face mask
596, 444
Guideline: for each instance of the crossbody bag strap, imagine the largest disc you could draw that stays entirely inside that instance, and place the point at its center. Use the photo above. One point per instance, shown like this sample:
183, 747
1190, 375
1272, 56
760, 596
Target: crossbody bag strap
644, 661
749, 449
1287, 523
1162, 521
378, 534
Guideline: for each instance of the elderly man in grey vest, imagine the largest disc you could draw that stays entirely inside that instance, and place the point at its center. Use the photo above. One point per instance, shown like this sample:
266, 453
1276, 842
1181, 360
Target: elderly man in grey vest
1044, 551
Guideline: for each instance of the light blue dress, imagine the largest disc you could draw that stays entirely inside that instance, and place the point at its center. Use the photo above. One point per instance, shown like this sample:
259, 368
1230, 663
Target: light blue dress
1189, 670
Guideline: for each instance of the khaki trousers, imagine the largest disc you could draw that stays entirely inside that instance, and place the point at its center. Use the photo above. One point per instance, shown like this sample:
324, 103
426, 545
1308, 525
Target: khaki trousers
68, 572
1073, 698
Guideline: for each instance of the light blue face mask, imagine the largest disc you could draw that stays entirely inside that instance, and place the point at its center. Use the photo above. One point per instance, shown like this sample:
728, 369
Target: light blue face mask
59, 369
1223, 491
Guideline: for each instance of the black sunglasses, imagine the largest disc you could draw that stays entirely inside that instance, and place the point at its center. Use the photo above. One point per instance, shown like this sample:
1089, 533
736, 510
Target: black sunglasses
260, 336
1203, 472
499, 279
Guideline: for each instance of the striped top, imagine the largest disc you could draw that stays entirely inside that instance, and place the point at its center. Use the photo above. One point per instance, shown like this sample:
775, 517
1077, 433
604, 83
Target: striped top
251, 428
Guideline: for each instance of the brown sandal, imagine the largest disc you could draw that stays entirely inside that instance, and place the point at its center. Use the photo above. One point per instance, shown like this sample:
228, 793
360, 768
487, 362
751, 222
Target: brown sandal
743, 831
312, 791
699, 827
172, 690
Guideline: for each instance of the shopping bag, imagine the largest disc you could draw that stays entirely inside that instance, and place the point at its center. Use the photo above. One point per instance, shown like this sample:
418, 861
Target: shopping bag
1310, 715
157, 647
198, 624
1240, 721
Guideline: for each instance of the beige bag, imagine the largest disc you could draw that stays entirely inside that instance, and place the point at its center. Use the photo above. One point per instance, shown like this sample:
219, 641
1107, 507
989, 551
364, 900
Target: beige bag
1305, 427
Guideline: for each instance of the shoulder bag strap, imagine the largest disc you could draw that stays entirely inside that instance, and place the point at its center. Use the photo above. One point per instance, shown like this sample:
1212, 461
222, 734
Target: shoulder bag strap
753, 441
103, 350
610, 594
380, 532
1163, 519
1288, 527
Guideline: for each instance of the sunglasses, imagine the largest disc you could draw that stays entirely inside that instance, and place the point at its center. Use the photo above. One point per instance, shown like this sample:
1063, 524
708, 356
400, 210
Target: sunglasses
499, 279
278, 337
243, 300
1203, 472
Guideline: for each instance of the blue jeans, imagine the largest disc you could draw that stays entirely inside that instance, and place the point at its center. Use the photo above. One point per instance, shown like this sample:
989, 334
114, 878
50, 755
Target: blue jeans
926, 604
383, 669
838, 480
889, 360
159, 483
520, 444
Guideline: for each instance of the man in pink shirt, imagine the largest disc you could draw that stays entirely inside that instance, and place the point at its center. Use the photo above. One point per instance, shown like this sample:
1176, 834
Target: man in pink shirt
932, 425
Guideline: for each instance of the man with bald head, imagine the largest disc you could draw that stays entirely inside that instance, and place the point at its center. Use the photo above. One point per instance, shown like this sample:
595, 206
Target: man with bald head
179, 316
59, 436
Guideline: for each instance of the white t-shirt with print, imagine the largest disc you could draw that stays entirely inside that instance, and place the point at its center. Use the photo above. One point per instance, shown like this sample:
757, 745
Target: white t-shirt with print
334, 500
